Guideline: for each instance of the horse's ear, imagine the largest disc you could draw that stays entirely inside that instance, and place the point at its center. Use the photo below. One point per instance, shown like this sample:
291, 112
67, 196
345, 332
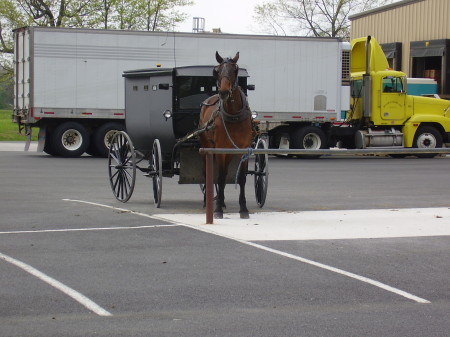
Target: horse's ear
219, 58
236, 57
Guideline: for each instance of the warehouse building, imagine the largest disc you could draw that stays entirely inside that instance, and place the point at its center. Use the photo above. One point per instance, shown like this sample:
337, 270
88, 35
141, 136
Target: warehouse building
415, 36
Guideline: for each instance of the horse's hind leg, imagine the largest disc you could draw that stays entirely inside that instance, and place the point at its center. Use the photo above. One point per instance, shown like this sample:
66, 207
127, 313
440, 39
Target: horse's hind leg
216, 189
242, 201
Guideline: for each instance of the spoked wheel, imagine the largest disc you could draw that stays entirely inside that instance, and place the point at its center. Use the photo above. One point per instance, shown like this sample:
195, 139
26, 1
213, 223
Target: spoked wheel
261, 174
122, 166
156, 172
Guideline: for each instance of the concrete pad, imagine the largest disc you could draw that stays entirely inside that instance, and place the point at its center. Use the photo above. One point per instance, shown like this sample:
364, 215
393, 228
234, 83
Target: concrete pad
325, 225
17, 146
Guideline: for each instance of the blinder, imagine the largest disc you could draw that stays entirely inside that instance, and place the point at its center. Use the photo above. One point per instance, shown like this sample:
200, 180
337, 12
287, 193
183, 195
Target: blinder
217, 72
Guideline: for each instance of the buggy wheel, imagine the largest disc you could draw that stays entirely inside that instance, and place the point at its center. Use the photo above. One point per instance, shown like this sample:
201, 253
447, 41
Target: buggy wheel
156, 172
261, 174
122, 166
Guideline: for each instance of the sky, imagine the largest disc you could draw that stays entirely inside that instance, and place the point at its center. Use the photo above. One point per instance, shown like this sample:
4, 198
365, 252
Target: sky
231, 16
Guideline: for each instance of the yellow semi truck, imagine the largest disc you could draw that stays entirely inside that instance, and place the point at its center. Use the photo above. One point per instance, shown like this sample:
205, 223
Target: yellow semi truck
382, 114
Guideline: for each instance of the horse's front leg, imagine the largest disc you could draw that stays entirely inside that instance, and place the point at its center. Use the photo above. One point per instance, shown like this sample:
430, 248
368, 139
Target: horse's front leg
242, 201
220, 200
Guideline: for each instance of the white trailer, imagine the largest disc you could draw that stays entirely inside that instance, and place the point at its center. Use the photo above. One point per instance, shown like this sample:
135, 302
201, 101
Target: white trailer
68, 82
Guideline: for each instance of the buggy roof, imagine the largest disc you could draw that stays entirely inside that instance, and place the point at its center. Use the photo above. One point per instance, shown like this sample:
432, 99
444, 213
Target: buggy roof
205, 71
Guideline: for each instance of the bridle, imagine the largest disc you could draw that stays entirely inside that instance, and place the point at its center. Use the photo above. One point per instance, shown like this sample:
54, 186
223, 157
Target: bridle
218, 70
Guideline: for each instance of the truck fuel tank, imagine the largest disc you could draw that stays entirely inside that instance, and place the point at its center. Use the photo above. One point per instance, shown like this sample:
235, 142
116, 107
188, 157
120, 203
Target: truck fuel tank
391, 138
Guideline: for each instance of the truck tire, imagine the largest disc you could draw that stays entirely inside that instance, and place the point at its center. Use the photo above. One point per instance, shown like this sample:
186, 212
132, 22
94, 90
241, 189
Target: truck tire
427, 137
101, 139
309, 137
70, 139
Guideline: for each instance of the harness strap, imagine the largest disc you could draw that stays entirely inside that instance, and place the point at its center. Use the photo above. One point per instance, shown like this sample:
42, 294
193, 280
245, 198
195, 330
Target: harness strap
241, 115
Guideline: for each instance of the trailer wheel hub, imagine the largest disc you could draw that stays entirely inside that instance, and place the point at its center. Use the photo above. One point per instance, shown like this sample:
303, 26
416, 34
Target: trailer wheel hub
72, 139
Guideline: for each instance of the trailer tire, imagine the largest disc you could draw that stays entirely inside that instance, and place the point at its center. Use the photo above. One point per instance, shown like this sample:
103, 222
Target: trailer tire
308, 137
427, 137
48, 145
101, 139
70, 139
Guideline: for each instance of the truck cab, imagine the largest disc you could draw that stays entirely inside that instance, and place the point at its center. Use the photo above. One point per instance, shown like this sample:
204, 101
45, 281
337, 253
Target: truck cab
382, 113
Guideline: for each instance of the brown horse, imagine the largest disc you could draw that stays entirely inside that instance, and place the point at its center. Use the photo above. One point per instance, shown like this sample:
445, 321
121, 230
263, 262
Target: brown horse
227, 118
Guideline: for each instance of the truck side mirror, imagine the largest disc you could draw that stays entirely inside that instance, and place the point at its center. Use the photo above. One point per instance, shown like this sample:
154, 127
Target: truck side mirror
164, 86
250, 87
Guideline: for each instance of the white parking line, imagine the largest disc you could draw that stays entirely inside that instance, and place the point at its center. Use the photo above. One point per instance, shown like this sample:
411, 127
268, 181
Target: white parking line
210, 229
319, 265
342, 272
86, 229
80, 298
115, 208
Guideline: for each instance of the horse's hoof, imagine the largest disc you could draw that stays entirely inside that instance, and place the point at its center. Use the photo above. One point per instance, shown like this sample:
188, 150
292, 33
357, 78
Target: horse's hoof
218, 215
244, 215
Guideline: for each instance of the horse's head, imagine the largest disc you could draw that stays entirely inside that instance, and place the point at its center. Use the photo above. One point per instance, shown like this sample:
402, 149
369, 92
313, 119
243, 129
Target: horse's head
226, 74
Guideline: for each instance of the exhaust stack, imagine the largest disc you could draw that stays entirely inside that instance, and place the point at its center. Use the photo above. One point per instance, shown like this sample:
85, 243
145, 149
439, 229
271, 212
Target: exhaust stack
368, 50
367, 83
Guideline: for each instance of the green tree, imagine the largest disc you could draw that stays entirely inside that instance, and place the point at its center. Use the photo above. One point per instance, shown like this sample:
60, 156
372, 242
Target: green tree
6, 93
104, 16
321, 18
150, 15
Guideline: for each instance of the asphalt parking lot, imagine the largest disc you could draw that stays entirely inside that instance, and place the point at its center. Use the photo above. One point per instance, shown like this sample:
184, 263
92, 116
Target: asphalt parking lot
313, 262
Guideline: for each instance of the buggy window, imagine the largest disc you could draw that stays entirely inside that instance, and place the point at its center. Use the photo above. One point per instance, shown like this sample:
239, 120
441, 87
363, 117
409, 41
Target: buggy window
193, 90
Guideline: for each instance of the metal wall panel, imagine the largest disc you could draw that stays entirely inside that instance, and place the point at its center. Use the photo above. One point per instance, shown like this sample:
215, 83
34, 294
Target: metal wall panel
405, 21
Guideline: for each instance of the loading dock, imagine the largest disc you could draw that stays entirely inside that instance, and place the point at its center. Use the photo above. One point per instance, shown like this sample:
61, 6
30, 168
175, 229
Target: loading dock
430, 59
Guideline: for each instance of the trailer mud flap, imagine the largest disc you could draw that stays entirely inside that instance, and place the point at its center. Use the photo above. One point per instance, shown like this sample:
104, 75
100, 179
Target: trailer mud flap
28, 133
41, 139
